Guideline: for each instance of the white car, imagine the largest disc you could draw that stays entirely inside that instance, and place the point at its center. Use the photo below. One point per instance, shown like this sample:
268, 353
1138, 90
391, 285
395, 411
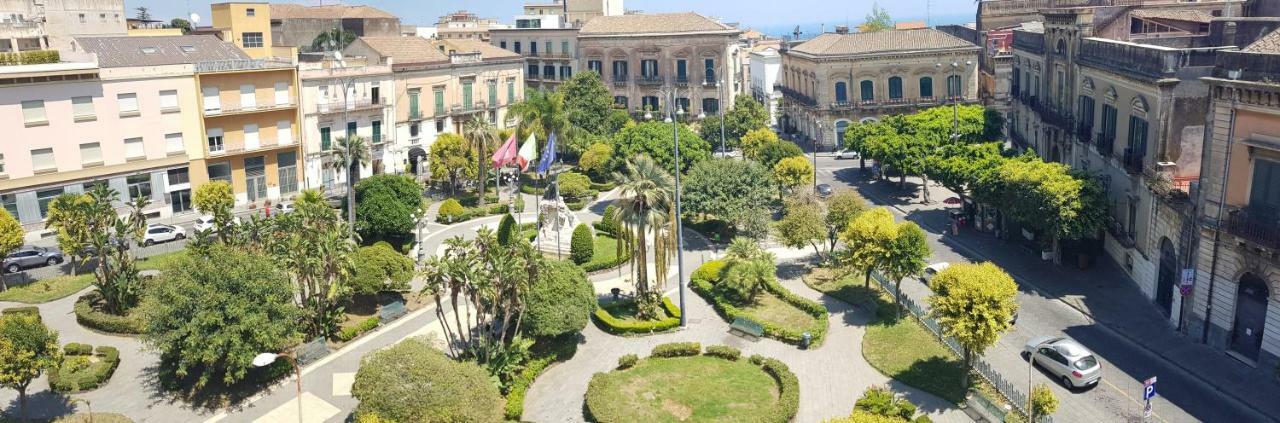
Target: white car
1073, 364
162, 233
284, 208
933, 270
204, 223
847, 154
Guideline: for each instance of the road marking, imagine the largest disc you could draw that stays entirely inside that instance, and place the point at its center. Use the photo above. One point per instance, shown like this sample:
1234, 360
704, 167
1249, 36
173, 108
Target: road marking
1135, 402
342, 383
314, 409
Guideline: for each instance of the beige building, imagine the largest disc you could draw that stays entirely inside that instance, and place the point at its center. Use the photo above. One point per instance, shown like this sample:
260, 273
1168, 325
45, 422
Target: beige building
297, 25
440, 85
837, 79
464, 25
345, 98
551, 54
54, 24
640, 56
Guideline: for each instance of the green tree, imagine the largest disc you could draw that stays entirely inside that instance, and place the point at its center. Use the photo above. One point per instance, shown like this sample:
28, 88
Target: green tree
974, 303
587, 102
745, 279
67, 216
312, 245
1047, 198
842, 208
855, 137
216, 199
411, 381
560, 300
349, 155
1043, 402
803, 225
27, 348
905, 257
116, 275
742, 248
962, 168
793, 172
484, 137
507, 230
11, 233
544, 113
881, 401
387, 205
755, 140
581, 247
450, 158
654, 140
747, 115
866, 240
143, 14
772, 153
877, 20
379, 268
894, 150
735, 191
646, 210
596, 159
335, 39
709, 129
573, 185
182, 24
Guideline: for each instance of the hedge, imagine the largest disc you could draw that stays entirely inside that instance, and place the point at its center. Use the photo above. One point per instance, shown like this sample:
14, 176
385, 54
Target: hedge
677, 349
450, 210
77, 374
627, 361
468, 213
617, 261
34, 57
351, 332
514, 408
709, 271
602, 186
604, 228
729, 312
581, 245
788, 390
25, 310
577, 204
724, 351
89, 316
619, 327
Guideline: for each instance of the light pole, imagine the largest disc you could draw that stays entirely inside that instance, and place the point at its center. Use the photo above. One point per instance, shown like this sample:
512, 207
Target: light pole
266, 358
720, 112
815, 157
673, 114
348, 83
1031, 365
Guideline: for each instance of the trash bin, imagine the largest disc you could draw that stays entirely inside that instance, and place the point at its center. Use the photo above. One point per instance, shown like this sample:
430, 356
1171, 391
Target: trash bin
805, 339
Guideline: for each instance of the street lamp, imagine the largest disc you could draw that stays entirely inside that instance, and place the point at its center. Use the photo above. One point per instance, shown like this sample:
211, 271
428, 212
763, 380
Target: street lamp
266, 358
1031, 365
673, 114
720, 112
815, 157
348, 84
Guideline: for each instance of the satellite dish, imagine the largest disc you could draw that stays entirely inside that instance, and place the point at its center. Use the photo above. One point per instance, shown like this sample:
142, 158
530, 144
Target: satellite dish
195, 18
337, 55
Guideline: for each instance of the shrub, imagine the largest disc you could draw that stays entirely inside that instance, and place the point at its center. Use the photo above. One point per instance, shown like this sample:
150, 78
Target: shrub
576, 205
607, 224
709, 271
506, 229
78, 373
728, 311
677, 349
581, 246
756, 359
602, 265
27, 310
559, 301
534, 367
76, 348
351, 332
89, 316
623, 327
724, 351
882, 402
574, 185
386, 205
450, 211
380, 268
788, 389
627, 361
412, 382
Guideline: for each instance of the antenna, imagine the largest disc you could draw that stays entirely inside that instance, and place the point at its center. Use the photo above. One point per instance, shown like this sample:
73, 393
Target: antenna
928, 6
195, 19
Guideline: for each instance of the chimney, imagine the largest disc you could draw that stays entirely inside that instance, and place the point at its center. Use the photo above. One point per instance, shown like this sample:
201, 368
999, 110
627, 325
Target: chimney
842, 29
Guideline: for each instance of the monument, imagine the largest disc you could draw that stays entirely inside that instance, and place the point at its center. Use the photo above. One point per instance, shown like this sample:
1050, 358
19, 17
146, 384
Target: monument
555, 223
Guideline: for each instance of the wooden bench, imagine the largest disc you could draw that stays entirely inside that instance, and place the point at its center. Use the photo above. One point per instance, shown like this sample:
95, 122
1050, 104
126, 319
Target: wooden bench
746, 327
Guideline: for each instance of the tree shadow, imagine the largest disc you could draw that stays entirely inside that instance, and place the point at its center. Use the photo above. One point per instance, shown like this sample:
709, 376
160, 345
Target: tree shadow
165, 386
43, 405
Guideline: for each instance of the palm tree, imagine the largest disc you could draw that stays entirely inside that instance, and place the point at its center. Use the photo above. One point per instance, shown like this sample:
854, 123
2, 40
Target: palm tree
482, 135
544, 113
351, 153
644, 206
333, 39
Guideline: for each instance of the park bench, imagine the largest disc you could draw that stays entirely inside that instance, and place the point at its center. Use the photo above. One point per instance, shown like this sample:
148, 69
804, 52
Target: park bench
746, 327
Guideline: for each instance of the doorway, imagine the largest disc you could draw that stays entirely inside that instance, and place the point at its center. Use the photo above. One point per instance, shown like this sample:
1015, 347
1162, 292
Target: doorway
1168, 274
1251, 316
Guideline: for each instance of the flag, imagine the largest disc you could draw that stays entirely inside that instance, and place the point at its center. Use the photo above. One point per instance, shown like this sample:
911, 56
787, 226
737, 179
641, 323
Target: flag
506, 153
548, 155
528, 151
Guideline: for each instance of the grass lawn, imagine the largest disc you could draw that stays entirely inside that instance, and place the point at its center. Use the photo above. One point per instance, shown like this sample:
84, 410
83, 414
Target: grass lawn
624, 311
771, 309
45, 290
605, 250
686, 389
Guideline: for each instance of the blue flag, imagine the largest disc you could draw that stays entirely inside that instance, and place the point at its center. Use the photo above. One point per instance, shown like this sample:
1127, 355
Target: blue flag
548, 155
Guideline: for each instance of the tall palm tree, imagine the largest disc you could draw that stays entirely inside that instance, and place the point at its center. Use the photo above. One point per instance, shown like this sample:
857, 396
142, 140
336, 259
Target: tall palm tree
644, 207
351, 153
482, 136
544, 113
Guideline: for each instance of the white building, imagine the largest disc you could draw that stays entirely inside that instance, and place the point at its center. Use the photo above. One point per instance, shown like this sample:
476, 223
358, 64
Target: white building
766, 67
343, 99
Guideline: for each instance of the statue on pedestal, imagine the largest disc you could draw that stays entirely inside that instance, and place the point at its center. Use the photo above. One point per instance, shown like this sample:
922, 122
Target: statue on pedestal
555, 223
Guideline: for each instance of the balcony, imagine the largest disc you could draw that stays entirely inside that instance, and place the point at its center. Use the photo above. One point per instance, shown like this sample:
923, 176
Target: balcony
796, 96
1132, 161
1052, 115
1084, 132
710, 82
1106, 144
263, 145
241, 65
620, 80
649, 80
351, 106
1257, 226
885, 103
237, 109
1123, 236
681, 81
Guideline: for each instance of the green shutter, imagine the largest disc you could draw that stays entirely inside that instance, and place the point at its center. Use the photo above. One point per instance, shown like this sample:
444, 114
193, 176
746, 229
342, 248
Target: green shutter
466, 95
325, 140
511, 92
439, 102
413, 105
493, 94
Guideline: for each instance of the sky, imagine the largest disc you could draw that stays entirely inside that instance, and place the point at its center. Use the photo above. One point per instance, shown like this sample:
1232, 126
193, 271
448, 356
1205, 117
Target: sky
767, 14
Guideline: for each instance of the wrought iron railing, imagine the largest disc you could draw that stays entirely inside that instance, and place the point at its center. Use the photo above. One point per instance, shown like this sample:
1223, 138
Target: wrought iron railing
1106, 144
648, 80
1132, 160
1255, 225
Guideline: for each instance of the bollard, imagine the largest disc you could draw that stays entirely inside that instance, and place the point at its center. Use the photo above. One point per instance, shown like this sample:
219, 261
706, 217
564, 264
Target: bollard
806, 338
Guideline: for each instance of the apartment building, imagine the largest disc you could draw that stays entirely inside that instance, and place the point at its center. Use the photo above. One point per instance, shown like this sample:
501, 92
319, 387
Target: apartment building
837, 79
550, 53
350, 97
464, 25
766, 68
297, 25
641, 56
440, 85
54, 24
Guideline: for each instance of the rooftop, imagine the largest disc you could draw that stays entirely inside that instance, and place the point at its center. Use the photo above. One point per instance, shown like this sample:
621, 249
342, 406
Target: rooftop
405, 50
486, 50
1269, 44
115, 52
298, 11
657, 23
1174, 15
834, 44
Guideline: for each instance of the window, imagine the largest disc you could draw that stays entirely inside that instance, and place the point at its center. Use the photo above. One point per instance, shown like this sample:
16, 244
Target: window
139, 186
377, 131
91, 154
517, 47
178, 176
596, 66
284, 132
1137, 137
493, 92
467, 100
220, 172
33, 113
1086, 115
215, 140
2, 171
42, 160
895, 87
250, 12
926, 86
620, 100
439, 125
439, 101
212, 99
187, 49
282, 94
10, 202
619, 70
649, 102
82, 20
1017, 79
842, 92
953, 86
1108, 135
710, 66
511, 91
868, 90
413, 103
128, 104
533, 48
414, 129
682, 70
169, 100
150, 50
566, 72
44, 197
82, 108
248, 96
287, 168
134, 150
533, 70
251, 139
1264, 191
549, 72
180, 201
564, 48
326, 139
251, 40
502, 44
682, 105
351, 129
710, 106
649, 68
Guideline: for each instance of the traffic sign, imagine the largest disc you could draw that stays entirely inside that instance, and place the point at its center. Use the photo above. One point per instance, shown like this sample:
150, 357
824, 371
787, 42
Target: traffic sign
1149, 388
1146, 411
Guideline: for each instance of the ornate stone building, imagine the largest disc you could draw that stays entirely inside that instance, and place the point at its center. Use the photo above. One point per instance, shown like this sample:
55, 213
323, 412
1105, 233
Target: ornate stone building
837, 79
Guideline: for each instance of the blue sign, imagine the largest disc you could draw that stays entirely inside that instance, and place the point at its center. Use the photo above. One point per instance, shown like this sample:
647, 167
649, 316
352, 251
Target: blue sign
1149, 389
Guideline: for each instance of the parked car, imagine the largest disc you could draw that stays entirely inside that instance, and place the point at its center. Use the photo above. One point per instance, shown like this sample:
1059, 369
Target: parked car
204, 223
1073, 364
933, 270
162, 233
31, 256
283, 208
824, 190
847, 154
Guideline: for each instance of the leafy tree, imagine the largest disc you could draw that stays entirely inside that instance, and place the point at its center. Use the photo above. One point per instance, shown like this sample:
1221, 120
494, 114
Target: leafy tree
411, 381
867, 240
742, 248
507, 230
904, 257
842, 208
734, 191
216, 199
793, 172
581, 247
596, 159
544, 113
116, 275
182, 24
772, 153
349, 155
618, 119
312, 245
654, 140
895, 150
646, 210
1043, 402
587, 102
755, 140
970, 123
1046, 197
745, 279
709, 129
335, 39
747, 115
387, 205
27, 347
11, 233
560, 300
962, 168
67, 215
380, 268
483, 137
450, 158
856, 136
144, 14
877, 20
212, 314
881, 401
803, 225
974, 303
573, 185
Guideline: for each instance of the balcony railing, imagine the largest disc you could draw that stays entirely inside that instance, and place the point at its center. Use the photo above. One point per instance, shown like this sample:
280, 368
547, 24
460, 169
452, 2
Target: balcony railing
797, 97
710, 82
1084, 132
1132, 161
236, 109
1256, 226
353, 105
240, 64
1106, 144
681, 81
884, 103
1051, 115
1123, 236
620, 80
262, 146
648, 80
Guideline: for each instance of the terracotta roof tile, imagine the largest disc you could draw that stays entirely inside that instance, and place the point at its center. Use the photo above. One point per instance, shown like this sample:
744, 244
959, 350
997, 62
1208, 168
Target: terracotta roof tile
876, 42
656, 23
116, 52
487, 51
1269, 44
404, 50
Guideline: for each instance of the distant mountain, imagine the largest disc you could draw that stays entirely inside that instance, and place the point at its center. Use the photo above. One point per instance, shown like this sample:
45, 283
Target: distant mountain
811, 30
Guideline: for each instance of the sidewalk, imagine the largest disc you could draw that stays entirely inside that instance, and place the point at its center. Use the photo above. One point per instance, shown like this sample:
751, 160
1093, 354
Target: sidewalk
1103, 292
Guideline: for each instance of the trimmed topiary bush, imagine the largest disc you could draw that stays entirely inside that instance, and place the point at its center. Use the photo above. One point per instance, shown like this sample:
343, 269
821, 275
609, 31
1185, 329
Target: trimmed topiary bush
507, 230
677, 349
380, 268
788, 389
625, 327
351, 332
83, 369
581, 246
76, 348
724, 351
451, 211
627, 361
413, 382
709, 271
574, 185
89, 316
560, 300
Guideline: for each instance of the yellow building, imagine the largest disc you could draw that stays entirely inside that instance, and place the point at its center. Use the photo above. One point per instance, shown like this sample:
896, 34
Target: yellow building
245, 24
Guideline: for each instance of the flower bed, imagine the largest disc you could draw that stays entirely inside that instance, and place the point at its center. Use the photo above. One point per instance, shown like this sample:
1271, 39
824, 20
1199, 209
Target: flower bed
90, 316
612, 318
702, 282
351, 332
83, 368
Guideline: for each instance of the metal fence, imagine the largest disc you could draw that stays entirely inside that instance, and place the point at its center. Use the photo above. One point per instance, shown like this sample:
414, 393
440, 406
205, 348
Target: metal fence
1007, 389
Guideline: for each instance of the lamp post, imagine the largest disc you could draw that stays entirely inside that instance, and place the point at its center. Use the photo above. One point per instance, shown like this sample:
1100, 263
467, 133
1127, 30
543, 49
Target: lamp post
266, 358
348, 84
673, 115
1031, 365
720, 112
821, 128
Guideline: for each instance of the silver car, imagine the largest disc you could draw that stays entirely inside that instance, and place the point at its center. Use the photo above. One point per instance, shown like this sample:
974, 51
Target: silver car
1073, 364
31, 257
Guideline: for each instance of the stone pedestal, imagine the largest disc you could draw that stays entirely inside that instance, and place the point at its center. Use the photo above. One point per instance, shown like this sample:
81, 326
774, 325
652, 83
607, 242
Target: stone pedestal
556, 223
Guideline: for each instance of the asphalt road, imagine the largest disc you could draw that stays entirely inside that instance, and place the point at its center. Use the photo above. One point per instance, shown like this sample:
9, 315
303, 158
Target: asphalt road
1125, 365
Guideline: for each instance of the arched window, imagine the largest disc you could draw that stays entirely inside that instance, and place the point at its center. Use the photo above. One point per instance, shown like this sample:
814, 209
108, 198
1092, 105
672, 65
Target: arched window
1062, 46
868, 90
841, 126
842, 92
926, 86
895, 87
953, 86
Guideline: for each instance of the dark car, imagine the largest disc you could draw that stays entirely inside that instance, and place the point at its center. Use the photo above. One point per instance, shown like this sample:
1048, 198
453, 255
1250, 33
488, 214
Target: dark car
31, 257
824, 190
